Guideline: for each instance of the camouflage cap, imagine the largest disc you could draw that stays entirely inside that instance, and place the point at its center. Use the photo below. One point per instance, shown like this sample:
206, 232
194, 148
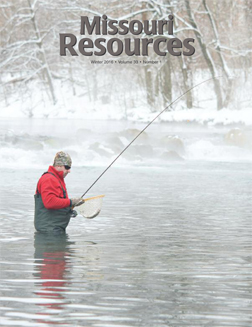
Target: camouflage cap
62, 159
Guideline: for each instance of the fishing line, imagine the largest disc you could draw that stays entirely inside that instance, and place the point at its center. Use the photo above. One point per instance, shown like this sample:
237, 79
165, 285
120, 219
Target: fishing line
146, 128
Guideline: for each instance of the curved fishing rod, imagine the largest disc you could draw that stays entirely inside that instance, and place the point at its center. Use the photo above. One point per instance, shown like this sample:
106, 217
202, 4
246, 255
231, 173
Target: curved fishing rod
145, 129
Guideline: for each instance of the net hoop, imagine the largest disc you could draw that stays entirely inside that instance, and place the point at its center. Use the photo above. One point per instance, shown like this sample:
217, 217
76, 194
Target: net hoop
94, 197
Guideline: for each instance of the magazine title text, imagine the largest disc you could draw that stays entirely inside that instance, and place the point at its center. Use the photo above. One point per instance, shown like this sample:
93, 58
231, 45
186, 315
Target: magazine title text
164, 42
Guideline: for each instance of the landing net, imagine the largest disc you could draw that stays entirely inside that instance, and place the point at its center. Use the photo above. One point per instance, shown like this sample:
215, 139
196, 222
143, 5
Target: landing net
91, 207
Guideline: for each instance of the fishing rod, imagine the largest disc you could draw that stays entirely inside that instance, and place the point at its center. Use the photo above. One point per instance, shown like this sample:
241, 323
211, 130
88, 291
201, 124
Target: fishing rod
196, 85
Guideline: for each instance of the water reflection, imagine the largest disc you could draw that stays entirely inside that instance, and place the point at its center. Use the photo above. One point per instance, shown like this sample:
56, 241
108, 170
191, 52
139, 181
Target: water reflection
52, 255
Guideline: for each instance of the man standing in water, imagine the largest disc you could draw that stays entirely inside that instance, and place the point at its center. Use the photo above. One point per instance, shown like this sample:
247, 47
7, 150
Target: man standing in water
53, 208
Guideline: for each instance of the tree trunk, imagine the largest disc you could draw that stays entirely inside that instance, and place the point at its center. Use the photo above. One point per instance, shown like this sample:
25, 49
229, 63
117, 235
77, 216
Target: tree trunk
166, 82
206, 55
187, 82
222, 59
94, 87
186, 77
149, 86
71, 78
42, 51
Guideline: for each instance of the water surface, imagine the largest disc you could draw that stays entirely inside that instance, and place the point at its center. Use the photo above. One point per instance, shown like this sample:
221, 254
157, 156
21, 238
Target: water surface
171, 247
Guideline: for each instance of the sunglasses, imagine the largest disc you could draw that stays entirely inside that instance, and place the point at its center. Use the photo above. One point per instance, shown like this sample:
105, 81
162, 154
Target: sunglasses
67, 167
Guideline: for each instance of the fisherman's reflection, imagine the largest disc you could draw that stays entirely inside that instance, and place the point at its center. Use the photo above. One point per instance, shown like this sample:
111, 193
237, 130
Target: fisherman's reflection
52, 254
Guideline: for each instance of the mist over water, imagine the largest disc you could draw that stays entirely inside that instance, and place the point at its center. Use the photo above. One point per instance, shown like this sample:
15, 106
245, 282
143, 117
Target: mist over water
171, 246
93, 143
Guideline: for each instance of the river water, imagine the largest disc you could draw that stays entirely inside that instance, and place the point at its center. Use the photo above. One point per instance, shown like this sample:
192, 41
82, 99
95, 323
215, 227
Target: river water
171, 247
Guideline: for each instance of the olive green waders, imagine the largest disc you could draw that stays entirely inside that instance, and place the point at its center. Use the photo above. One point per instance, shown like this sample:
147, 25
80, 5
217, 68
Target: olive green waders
49, 220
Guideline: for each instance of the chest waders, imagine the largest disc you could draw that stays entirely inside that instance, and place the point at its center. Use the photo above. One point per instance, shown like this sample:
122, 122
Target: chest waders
48, 220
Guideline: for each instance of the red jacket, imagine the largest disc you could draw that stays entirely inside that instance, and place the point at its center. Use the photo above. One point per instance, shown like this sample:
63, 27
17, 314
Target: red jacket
50, 188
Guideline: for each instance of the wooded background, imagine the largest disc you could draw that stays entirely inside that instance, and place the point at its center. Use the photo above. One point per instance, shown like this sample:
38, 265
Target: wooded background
30, 55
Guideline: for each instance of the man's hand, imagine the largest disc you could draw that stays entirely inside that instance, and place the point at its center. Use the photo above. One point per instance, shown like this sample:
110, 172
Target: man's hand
74, 213
77, 202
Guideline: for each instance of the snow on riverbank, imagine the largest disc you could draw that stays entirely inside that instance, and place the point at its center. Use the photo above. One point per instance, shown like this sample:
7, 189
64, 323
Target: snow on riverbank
133, 107
88, 111
31, 127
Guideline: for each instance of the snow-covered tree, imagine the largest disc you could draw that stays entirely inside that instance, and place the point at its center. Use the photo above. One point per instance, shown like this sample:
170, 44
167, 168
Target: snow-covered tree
29, 31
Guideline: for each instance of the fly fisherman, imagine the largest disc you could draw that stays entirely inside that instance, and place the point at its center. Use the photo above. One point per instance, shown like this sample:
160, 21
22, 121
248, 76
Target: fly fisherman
53, 208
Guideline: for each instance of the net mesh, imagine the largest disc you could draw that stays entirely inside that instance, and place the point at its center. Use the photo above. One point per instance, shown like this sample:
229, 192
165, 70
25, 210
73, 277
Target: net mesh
91, 207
